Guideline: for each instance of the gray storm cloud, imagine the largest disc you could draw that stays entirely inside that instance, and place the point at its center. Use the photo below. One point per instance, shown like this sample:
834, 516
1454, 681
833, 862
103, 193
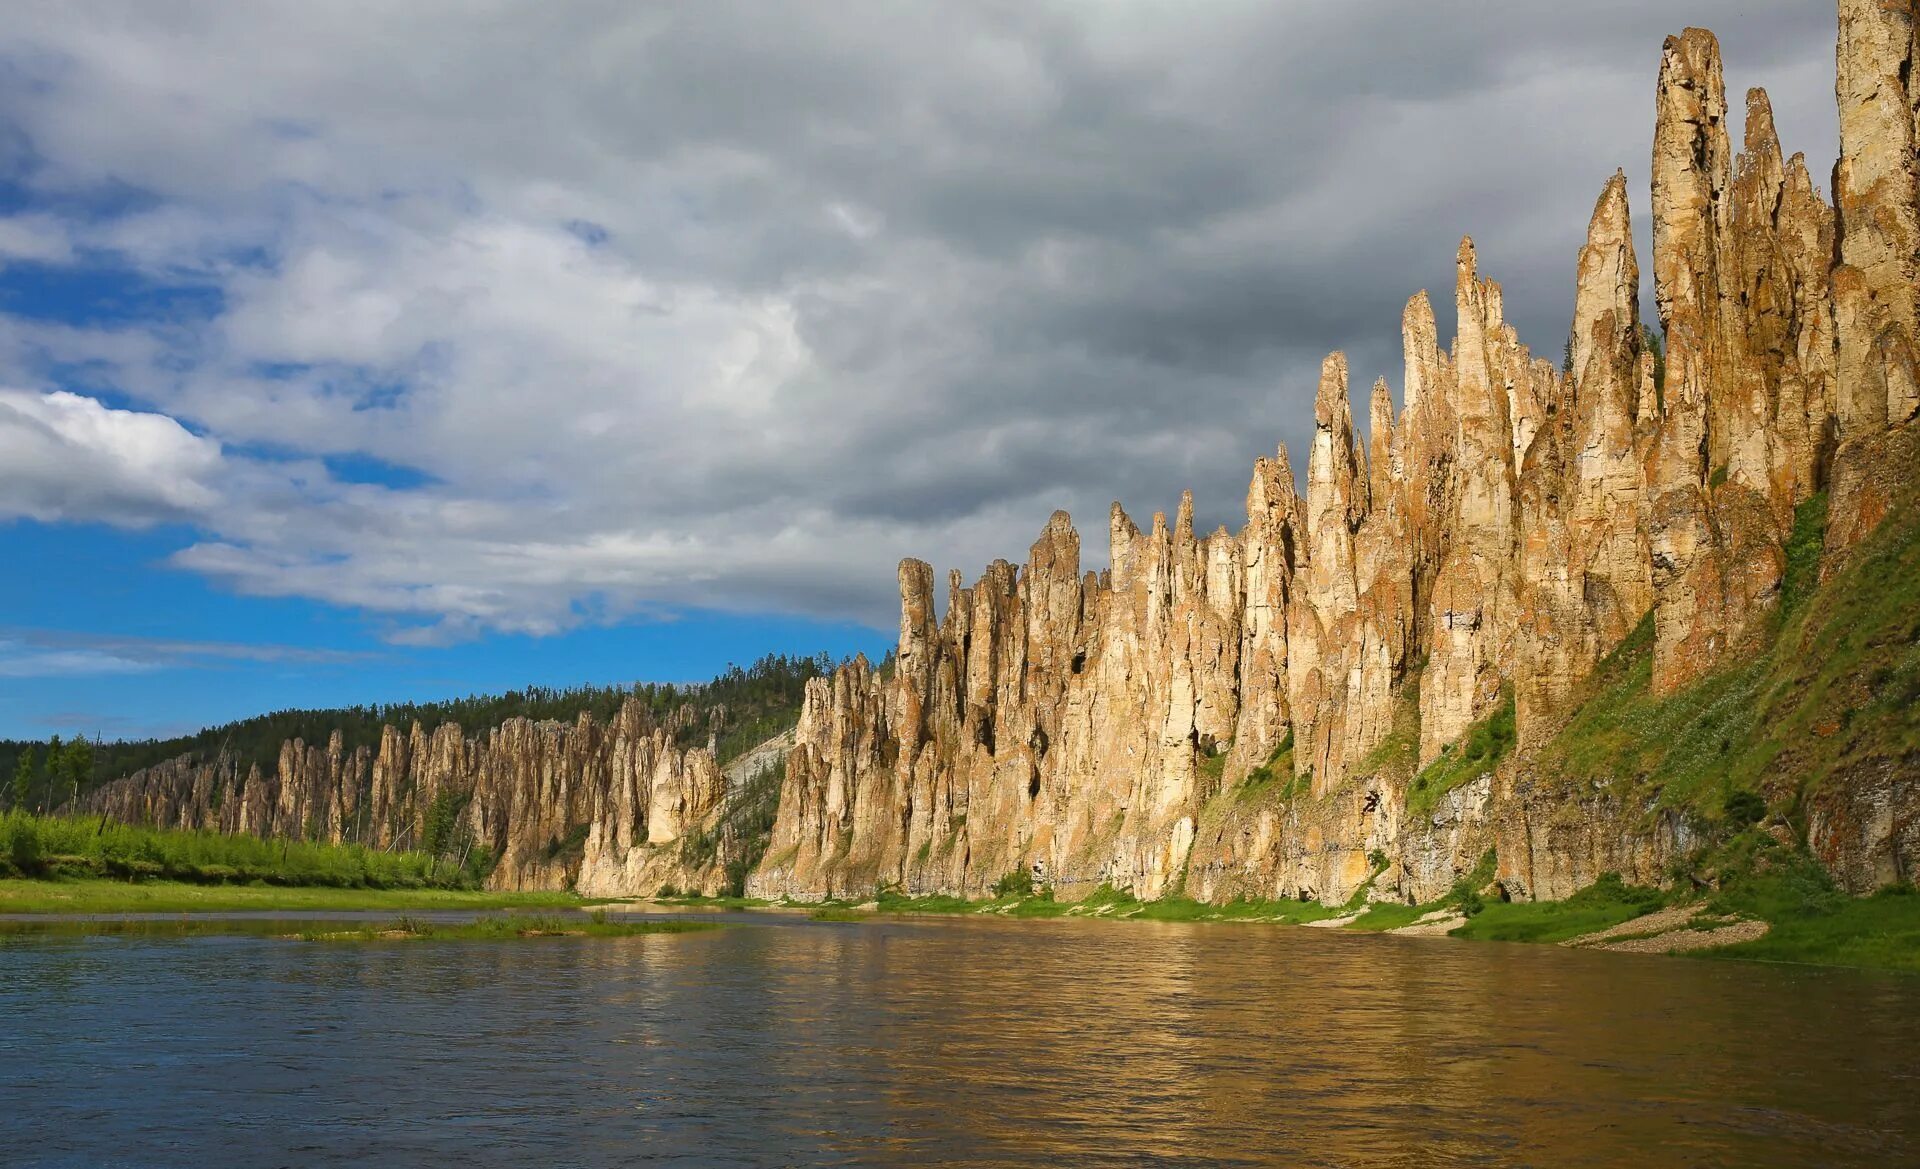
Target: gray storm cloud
736, 304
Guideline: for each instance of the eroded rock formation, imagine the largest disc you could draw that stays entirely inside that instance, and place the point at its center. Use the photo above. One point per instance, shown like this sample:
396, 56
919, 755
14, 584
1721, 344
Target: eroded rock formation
1510, 527
1249, 714
525, 791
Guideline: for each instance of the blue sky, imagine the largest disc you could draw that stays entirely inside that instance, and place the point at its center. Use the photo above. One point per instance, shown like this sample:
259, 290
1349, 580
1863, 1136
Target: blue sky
103, 634
616, 342
105, 638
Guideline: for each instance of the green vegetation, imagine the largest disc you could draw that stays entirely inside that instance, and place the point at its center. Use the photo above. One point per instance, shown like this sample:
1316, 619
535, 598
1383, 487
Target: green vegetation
40, 781
1107, 901
93, 846
1479, 752
1605, 903
98, 895
1019, 885
493, 929
1804, 546
742, 707
1836, 687
744, 828
1278, 768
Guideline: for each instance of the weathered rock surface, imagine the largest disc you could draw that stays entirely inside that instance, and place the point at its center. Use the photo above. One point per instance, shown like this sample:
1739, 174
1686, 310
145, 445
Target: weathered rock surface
524, 790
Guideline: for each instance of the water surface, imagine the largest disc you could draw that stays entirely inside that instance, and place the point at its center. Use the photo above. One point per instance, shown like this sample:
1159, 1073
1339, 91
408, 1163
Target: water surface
935, 1041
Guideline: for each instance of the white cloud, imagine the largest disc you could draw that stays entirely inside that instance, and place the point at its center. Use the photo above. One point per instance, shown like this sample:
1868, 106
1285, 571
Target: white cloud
67, 457
44, 653
19, 661
736, 304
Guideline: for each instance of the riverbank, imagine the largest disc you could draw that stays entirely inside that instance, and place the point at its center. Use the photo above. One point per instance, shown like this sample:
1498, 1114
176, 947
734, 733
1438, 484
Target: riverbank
1763, 902
53, 847
98, 895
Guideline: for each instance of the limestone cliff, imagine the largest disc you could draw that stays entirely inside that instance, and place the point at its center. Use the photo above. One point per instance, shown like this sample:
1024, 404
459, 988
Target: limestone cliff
598, 806
1281, 711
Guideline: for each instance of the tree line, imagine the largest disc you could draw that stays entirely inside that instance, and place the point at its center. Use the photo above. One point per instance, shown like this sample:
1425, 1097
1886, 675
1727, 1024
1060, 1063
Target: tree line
738, 707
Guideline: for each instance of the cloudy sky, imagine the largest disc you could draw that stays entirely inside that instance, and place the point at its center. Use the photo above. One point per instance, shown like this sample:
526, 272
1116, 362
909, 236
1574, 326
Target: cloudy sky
360, 351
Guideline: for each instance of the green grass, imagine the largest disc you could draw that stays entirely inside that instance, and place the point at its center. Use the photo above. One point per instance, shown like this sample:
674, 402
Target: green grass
1605, 903
493, 929
1278, 769
1479, 751
45, 846
97, 895
1879, 932
1804, 546
1834, 684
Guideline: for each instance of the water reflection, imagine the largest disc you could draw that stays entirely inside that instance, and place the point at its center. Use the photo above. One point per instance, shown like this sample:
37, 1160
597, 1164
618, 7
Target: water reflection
963, 1041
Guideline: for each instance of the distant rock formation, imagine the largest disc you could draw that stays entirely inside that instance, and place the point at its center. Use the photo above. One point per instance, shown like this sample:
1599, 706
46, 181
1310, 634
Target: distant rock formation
598, 806
1505, 531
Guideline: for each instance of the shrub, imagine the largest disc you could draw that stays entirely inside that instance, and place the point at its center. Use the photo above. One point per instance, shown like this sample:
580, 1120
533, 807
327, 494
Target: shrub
23, 845
1744, 808
1018, 883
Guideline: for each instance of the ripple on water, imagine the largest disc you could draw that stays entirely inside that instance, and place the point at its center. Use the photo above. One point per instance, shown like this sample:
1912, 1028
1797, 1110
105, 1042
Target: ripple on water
963, 1041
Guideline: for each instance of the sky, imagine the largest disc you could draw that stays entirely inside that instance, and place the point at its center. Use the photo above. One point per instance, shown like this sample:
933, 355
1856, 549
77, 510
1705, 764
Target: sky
358, 352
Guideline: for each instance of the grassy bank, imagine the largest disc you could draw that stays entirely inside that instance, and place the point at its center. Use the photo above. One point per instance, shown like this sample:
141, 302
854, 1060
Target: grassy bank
97, 895
1809, 920
94, 846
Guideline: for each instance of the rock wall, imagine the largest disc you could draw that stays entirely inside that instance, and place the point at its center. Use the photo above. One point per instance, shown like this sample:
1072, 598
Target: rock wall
1510, 526
526, 790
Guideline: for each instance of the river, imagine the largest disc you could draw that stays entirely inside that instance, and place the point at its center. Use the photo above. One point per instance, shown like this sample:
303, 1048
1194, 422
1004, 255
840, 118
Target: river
942, 1041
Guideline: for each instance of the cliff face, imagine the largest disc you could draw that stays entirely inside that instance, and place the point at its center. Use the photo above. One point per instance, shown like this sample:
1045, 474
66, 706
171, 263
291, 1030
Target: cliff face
1510, 527
1369, 684
523, 790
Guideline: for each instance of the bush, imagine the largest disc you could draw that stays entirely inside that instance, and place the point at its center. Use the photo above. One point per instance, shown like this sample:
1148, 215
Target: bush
23, 845
1744, 808
1018, 883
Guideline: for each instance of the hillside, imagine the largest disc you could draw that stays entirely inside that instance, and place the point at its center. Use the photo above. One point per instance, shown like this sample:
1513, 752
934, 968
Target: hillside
739, 708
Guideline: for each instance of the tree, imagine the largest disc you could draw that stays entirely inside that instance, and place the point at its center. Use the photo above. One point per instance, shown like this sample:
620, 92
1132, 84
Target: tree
23, 769
77, 765
54, 756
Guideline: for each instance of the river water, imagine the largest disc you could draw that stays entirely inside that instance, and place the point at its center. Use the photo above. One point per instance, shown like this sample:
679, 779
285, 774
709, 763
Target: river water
934, 1041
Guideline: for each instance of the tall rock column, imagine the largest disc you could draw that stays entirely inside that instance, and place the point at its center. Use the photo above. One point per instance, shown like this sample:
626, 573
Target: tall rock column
1321, 625
1876, 187
1470, 614
1271, 544
1584, 579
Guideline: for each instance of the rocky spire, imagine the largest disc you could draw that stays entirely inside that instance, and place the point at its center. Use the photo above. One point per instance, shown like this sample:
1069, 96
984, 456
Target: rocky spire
1877, 197
1270, 544
1470, 612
